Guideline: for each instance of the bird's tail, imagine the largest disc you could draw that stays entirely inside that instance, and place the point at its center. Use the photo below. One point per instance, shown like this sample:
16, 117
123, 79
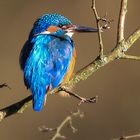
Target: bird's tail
38, 99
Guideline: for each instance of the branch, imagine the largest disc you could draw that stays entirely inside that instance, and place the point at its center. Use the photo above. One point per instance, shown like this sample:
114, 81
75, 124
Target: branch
67, 120
131, 40
82, 99
4, 85
123, 11
82, 74
93, 7
18, 107
131, 57
128, 137
125, 45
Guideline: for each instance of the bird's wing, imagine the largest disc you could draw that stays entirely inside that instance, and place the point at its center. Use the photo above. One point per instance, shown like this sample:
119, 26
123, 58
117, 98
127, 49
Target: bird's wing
61, 53
46, 65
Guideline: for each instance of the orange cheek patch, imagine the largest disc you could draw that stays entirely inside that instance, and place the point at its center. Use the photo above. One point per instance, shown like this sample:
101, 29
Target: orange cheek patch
52, 29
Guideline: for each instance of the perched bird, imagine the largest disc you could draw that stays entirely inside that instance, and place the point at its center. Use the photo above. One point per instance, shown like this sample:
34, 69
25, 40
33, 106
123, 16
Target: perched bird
48, 56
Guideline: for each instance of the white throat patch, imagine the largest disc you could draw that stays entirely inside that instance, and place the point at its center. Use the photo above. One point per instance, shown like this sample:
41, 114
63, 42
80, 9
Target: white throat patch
45, 32
70, 34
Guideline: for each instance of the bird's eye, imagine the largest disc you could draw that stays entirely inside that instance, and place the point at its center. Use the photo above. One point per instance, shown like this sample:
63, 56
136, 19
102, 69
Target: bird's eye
60, 25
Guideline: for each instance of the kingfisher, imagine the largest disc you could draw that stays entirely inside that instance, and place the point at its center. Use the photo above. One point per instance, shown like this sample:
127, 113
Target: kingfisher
48, 56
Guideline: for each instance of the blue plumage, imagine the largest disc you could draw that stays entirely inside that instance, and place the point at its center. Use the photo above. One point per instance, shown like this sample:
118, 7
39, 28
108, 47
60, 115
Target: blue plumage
48, 56
45, 58
47, 20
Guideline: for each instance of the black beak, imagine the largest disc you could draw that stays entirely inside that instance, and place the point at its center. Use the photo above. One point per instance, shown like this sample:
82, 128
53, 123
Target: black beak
81, 29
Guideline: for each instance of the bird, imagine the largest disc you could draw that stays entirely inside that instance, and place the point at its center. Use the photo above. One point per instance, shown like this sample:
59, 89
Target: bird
48, 57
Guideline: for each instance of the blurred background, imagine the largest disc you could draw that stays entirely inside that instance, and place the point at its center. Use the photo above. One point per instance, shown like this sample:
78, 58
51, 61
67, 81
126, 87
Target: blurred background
117, 84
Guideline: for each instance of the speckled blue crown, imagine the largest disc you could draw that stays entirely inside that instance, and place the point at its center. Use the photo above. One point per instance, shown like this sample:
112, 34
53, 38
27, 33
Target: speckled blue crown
46, 20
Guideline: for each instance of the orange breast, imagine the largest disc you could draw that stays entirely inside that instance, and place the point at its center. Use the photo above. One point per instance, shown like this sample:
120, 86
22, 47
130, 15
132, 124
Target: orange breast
70, 68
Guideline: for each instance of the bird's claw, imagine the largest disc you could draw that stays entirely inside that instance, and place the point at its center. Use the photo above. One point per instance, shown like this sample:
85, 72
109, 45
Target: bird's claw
88, 100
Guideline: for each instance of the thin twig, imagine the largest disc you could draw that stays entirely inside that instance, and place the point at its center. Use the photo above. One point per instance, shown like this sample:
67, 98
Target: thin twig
46, 129
131, 57
93, 7
123, 11
4, 85
67, 120
128, 137
82, 99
